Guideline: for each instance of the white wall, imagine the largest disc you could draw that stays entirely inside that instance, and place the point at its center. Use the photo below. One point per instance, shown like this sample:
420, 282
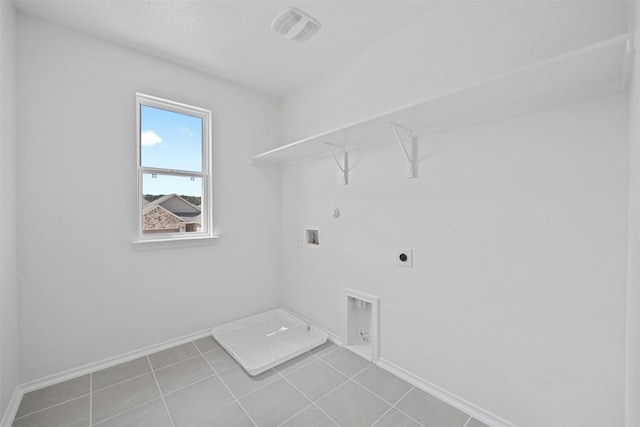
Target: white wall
633, 279
460, 43
517, 298
8, 208
86, 293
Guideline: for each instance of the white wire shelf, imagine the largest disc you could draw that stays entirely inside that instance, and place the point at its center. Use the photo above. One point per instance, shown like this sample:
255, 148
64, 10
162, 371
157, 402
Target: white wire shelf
593, 70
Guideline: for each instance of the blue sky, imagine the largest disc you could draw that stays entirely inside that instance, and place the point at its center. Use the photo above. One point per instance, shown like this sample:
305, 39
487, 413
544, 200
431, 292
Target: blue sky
170, 141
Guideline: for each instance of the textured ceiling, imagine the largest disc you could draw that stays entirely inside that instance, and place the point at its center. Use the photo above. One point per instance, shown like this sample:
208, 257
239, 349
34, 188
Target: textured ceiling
233, 40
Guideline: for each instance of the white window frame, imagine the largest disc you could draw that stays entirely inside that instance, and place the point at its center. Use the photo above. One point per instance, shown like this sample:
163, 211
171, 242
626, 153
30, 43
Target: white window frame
207, 199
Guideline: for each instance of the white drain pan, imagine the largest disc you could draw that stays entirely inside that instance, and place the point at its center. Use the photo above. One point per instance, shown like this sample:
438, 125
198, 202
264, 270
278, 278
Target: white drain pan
260, 342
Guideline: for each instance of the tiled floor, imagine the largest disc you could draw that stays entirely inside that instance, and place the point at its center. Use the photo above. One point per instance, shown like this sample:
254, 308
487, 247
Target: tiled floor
199, 384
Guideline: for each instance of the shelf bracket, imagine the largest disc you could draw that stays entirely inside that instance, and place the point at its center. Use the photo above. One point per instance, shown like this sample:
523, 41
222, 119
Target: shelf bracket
344, 167
412, 153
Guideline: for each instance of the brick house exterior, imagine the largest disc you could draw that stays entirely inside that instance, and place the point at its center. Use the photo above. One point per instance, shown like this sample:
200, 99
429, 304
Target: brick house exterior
170, 214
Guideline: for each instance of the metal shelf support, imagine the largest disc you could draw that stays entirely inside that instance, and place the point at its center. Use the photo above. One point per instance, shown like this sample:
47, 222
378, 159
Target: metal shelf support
412, 153
344, 167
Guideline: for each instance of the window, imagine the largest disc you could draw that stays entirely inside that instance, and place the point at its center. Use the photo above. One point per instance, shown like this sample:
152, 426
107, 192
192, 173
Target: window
174, 176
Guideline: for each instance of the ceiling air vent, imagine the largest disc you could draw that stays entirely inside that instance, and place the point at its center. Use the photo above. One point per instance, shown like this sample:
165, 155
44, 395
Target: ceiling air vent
295, 25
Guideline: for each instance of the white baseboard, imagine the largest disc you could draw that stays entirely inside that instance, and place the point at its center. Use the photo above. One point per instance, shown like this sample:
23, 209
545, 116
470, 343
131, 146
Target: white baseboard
112, 361
12, 408
22, 389
465, 406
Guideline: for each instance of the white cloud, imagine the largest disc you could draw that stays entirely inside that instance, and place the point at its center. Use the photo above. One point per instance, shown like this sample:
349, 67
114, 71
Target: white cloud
149, 137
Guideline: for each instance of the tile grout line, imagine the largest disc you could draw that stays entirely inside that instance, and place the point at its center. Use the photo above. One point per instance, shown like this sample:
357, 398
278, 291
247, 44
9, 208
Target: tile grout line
199, 380
124, 412
313, 403
365, 369
136, 406
227, 387
294, 415
166, 407
50, 407
392, 406
379, 397
222, 371
370, 392
382, 416
168, 393
361, 371
179, 361
213, 374
327, 393
259, 388
404, 395
351, 378
338, 347
203, 353
226, 405
152, 371
158, 398
282, 376
342, 373
123, 381
401, 411
313, 358
328, 416
432, 397
333, 367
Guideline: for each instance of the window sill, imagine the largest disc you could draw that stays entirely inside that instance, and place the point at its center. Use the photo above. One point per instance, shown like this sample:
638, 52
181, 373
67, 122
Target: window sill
177, 240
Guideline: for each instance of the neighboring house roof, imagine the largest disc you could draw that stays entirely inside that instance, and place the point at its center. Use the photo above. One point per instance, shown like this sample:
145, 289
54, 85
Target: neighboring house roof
175, 204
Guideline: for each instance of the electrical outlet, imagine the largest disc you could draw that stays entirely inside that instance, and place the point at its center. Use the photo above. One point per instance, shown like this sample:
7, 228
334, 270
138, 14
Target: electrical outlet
404, 257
